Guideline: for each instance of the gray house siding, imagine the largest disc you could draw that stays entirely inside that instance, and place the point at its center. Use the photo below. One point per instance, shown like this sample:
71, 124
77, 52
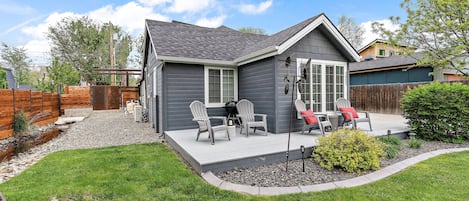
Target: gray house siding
392, 76
315, 46
257, 84
149, 100
182, 84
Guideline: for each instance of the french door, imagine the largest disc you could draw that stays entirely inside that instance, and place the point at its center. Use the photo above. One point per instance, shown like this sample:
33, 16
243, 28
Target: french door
325, 83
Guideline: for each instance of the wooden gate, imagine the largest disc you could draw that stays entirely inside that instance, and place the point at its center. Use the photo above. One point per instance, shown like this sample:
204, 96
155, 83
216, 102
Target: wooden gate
105, 97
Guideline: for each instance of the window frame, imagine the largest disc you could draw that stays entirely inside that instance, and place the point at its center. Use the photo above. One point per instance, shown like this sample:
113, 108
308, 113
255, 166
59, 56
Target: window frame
206, 85
323, 64
379, 52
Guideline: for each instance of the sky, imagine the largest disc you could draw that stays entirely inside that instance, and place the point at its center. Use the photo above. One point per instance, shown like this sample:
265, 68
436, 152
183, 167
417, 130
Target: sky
24, 23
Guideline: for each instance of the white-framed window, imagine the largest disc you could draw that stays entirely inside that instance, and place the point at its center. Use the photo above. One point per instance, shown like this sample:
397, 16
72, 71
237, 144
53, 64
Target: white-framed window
221, 85
325, 83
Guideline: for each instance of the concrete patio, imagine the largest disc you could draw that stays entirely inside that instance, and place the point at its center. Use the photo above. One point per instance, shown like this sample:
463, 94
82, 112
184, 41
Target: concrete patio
242, 151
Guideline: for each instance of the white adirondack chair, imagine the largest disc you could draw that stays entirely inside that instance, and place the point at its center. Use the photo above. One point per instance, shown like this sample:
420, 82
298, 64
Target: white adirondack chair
199, 112
248, 118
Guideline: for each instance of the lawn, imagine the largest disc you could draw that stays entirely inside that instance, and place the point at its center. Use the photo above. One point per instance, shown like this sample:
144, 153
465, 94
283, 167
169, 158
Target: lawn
153, 172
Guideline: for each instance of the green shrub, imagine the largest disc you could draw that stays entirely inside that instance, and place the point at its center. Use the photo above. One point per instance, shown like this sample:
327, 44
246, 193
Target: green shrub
438, 111
391, 146
20, 123
350, 150
415, 143
391, 140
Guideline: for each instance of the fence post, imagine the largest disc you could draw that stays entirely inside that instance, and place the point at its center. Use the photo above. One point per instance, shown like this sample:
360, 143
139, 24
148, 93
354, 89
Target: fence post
42, 99
58, 97
14, 102
30, 103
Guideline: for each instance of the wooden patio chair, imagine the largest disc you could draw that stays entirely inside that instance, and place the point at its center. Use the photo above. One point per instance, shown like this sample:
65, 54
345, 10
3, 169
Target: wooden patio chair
350, 115
248, 118
199, 112
311, 120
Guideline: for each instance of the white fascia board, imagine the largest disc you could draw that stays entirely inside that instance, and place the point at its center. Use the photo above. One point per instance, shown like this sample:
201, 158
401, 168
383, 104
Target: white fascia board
186, 60
313, 25
257, 55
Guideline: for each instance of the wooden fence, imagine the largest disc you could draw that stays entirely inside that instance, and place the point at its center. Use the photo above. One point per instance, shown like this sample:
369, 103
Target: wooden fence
75, 97
45, 106
383, 98
42, 106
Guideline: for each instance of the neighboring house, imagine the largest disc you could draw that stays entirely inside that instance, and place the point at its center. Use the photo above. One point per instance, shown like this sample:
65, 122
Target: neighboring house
393, 69
380, 48
10, 78
397, 69
184, 62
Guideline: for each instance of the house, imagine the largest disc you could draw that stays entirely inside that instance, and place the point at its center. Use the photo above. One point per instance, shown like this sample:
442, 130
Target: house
10, 77
384, 63
184, 62
392, 69
380, 48
398, 69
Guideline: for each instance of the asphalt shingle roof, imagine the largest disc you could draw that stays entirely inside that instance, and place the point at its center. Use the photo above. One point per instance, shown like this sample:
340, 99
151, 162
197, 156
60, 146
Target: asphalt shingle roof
391, 61
179, 39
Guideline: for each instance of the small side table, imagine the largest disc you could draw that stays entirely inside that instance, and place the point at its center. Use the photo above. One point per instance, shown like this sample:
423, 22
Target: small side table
231, 130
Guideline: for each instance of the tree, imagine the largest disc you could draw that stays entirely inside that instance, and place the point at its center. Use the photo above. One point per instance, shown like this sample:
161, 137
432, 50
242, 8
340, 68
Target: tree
61, 73
252, 30
17, 59
3, 79
439, 29
85, 44
351, 31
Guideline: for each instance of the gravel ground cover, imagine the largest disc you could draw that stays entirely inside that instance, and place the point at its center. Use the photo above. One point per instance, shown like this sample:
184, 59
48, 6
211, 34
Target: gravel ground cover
98, 129
274, 175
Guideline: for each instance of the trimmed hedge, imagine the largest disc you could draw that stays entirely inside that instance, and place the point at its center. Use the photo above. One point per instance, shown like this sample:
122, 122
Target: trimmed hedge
438, 111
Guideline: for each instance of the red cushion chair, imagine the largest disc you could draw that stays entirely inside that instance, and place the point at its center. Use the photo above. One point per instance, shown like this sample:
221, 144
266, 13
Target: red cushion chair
346, 111
311, 120
309, 117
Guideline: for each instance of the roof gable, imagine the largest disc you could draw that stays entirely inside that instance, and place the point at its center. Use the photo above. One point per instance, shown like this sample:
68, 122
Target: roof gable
185, 42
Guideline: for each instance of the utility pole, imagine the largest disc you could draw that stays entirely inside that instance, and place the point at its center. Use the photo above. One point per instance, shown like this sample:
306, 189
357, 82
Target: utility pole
111, 50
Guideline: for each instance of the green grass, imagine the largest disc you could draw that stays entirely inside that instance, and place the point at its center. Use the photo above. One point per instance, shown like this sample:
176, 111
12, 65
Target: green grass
153, 172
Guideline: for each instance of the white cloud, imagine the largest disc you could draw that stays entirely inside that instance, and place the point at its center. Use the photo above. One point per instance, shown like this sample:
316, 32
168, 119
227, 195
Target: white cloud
39, 31
192, 6
370, 36
15, 8
130, 17
253, 9
151, 3
211, 22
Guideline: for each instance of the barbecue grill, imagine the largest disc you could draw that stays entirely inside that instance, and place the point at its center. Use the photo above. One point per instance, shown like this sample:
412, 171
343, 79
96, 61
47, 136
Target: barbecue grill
230, 108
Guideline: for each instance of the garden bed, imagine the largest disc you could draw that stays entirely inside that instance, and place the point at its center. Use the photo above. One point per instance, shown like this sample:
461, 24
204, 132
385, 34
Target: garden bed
11, 146
274, 175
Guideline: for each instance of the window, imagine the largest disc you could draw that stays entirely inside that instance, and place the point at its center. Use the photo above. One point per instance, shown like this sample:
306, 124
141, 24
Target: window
325, 83
220, 86
382, 52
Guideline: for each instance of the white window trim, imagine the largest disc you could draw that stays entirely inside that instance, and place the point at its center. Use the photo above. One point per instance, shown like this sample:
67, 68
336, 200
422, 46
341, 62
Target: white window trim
323, 64
206, 91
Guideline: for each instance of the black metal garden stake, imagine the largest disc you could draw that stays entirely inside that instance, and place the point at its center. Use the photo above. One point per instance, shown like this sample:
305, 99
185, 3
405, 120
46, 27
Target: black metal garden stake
300, 89
302, 148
